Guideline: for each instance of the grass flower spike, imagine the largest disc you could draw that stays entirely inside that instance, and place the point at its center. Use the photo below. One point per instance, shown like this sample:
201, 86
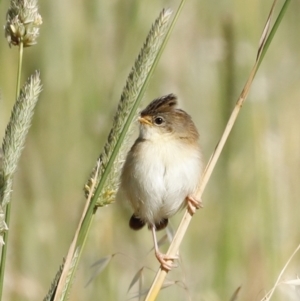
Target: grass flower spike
15, 134
127, 107
22, 23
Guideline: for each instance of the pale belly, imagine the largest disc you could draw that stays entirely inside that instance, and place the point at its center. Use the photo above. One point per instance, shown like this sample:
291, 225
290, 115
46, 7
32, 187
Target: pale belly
160, 178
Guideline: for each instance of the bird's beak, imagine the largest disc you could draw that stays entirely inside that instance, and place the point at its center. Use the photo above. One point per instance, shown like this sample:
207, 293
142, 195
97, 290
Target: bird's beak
145, 120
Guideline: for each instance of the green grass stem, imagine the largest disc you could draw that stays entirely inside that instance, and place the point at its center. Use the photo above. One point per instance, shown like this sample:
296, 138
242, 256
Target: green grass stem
273, 31
8, 206
88, 218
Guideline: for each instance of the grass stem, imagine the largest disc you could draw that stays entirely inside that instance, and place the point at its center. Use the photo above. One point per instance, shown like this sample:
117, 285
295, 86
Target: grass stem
8, 206
175, 244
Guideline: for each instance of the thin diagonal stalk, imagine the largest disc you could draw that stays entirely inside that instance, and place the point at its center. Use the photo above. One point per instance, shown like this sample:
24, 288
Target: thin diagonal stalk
136, 87
271, 292
273, 30
161, 274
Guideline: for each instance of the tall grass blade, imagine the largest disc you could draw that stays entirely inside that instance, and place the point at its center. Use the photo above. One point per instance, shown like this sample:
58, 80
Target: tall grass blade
132, 94
265, 41
273, 31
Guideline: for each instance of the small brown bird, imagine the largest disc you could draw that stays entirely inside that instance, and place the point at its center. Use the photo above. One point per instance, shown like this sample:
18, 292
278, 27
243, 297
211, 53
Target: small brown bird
163, 168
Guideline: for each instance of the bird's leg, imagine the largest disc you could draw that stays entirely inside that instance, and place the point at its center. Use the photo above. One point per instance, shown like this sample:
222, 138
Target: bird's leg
162, 258
193, 204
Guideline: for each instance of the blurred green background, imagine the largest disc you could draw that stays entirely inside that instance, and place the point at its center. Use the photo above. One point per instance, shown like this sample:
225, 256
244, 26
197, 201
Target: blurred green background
250, 224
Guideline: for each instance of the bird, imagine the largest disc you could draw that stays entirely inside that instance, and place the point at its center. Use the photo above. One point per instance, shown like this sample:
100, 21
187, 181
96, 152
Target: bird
162, 170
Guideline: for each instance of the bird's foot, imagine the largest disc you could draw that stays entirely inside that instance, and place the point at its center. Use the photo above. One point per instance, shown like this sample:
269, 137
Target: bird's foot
164, 260
193, 204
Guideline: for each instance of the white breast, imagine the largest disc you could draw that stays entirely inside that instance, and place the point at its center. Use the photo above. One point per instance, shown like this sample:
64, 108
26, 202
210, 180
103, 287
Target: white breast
160, 176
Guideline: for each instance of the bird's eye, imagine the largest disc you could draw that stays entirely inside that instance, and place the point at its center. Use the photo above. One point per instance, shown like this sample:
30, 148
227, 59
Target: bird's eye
158, 120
